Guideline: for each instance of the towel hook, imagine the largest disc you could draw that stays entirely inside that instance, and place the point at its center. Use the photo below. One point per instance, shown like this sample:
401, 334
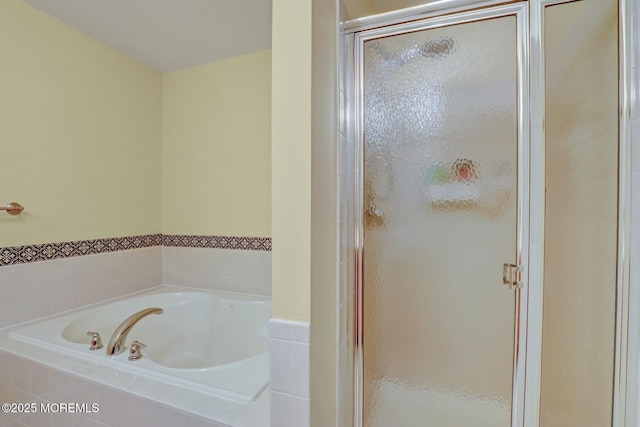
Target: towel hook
12, 208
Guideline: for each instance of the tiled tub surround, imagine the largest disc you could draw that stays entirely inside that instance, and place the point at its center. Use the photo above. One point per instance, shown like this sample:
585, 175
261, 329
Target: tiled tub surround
31, 374
213, 342
40, 280
37, 289
240, 271
289, 364
32, 288
123, 399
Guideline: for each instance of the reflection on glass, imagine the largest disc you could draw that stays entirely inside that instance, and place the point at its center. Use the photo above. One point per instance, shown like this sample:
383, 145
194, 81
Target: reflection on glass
440, 221
581, 213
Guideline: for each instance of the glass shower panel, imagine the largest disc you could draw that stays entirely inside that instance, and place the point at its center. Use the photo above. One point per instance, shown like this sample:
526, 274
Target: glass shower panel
581, 176
440, 202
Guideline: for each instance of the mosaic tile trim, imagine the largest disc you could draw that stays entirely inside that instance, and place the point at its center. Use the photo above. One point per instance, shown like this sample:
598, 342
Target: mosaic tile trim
12, 255
218, 242
48, 251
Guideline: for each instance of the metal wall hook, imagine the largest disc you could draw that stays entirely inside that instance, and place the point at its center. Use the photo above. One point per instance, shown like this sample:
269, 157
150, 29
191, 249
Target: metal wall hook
12, 208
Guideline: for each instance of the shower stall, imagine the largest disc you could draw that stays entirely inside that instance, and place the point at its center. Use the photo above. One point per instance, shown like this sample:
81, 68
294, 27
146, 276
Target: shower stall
489, 214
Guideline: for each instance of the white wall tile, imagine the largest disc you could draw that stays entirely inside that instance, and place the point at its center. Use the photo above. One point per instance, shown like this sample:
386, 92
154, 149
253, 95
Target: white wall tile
228, 270
282, 408
21, 374
131, 284
34, 307
53, 286
40, 382
144, 260
301, 332
245, 421
206, 410
9, 314
61, 386
290, 368
9, 284
259, 409
148, 413
111, 289
37, 418
89, 270
201, 422
281, 365
116, 408
112, 402
281, 329
301, 369
111, 266
301, 412
82, 421
63, 300
88, 294
64, 274
5, 368
33, 279
38, 289
83, 391
65, 420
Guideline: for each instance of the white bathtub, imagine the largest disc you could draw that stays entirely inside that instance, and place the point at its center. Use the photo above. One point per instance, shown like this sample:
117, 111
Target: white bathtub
214, 343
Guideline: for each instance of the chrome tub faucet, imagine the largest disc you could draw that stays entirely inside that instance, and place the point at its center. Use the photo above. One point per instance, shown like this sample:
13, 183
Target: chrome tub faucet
116, 343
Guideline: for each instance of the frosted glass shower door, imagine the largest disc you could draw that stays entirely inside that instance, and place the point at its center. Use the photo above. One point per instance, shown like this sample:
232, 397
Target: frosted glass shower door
440, 219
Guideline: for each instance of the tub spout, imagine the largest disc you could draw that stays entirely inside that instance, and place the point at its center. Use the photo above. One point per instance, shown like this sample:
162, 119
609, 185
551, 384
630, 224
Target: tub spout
116, 343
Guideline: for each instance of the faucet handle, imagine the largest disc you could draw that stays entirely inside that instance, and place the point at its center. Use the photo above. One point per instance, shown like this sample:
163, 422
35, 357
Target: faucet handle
134, 351
96, 341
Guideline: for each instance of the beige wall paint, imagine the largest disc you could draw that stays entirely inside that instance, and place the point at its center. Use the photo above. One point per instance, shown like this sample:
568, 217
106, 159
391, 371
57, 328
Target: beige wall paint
304, 184
291, 159
361, 8
357, 8
93, 141
79, 134
216, 149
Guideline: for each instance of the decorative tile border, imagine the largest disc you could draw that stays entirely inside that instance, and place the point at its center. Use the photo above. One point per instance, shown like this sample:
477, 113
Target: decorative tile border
218, 242
12, 255
47, 251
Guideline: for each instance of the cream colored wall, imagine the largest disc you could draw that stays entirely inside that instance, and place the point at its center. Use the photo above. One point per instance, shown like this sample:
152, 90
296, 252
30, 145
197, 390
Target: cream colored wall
79, 134
216, 150
291, 159
304, 184
361, 8
357, 8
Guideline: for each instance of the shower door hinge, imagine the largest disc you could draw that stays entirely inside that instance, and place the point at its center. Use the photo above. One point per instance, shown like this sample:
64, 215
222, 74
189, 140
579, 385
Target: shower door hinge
512, 275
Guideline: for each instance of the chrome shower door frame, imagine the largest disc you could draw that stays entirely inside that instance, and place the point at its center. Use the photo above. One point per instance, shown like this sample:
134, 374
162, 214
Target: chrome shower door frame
436, 15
